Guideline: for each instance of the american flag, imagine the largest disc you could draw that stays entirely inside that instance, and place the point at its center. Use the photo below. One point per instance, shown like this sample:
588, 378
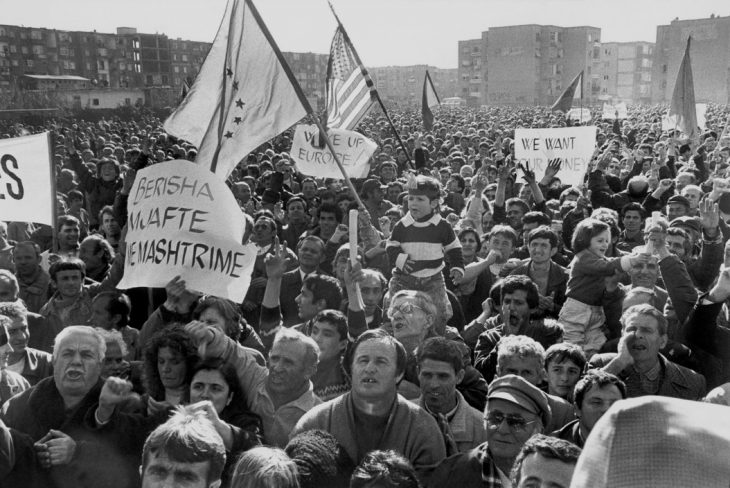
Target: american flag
350, 91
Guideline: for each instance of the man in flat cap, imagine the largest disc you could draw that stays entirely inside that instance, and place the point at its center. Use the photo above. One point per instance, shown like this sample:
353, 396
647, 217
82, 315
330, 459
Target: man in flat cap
515, 411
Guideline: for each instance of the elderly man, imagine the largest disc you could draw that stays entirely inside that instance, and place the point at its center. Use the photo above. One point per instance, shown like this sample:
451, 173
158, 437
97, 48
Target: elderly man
516, 410
545, 461
640, 364
52, 416
372, 415
594, 395
33, 280
440, 370
185, 451
279, 394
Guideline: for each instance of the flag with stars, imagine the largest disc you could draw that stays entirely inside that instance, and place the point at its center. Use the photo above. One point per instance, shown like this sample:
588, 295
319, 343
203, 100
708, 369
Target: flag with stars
243, 96
350, 91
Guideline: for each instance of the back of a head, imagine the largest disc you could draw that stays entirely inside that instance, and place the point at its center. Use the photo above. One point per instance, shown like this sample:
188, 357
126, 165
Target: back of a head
265, 467
654, 441
187, 437
384, 469
321, 460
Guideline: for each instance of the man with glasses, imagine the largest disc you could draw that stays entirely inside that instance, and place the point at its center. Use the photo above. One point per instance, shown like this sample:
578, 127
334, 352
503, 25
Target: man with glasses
516, 410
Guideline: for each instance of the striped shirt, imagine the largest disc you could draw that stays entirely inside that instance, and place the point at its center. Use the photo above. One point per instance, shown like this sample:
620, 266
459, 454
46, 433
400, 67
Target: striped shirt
426, 243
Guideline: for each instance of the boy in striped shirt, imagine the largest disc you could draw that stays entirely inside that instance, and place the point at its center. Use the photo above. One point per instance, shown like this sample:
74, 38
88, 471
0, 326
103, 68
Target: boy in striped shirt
419, 243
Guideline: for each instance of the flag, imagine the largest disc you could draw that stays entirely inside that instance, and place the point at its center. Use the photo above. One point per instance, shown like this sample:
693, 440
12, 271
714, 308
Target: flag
350, 91
184, 89
683, 98
573, 92
26, 174
429, 100
244, 95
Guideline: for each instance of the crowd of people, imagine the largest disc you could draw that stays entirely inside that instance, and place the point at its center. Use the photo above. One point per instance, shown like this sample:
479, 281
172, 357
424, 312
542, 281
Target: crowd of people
491, 320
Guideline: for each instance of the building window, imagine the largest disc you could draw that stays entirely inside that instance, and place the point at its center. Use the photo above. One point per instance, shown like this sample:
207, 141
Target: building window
63, 51
24, 49
37, 35
29, 63
95, 102
185, 58
664, 68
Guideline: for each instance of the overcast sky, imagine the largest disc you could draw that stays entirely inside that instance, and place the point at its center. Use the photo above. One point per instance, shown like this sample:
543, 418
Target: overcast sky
385, 32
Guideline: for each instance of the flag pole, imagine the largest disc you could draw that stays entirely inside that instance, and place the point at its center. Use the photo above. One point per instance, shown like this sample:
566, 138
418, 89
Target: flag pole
54, 202
302, 99
377, 95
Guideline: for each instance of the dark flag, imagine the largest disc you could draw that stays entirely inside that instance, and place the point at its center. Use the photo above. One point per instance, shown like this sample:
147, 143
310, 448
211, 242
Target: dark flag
429, 100
573, 92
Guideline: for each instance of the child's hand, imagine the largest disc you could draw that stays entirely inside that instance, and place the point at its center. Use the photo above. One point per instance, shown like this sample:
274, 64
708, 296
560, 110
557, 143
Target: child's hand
456, 275
636, 259
409, 266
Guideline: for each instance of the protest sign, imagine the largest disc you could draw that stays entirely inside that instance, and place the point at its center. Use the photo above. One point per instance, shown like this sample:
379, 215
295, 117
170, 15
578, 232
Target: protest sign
25, 180
183, 220
609, 111
352, 148
579, 114
573, 146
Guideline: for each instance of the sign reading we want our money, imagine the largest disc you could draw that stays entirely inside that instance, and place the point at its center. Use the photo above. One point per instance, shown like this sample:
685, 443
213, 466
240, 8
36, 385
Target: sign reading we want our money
572, 146
183, 220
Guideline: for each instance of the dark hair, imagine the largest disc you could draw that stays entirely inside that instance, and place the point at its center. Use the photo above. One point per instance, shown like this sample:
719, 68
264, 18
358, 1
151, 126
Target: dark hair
585, 231
569, 191
599, 378
513, 283
547, 447
382, 335
187, 438
179, 341
296, 198
30, 244
336, 318
228, 372
459, 179
440, 349
118, 304
106, 209
227, 309
519, 202
101, 244
677, 231
322, 462
67, 264
633, 206
330, 208
75, 195
316, 239
385, 469
504, 231
67, 220
325, 288
565, 351
471, 230
543, 232
536, 217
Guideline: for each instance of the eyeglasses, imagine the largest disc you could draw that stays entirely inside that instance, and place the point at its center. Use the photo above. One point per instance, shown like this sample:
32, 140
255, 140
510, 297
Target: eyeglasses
516, 424
406, 309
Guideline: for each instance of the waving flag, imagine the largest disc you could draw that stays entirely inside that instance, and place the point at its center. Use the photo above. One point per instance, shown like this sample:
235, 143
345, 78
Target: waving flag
573, 92
350, 91
429, 100
683, 98
244, 95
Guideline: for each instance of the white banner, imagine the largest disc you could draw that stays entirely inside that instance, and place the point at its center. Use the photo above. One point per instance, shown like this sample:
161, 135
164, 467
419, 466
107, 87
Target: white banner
669, 122
579, 114
25, 180
352, 148
183, 220
609, 111
573, 146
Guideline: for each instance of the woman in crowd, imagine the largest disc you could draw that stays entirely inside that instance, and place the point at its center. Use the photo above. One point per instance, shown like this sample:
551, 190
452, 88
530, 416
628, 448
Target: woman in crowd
224, 315
167, 369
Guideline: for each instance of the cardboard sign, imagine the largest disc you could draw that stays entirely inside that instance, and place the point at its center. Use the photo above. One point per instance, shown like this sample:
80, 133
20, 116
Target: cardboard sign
352, 148
573, 146
25, 180
609, 111
183, 220
579, 114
